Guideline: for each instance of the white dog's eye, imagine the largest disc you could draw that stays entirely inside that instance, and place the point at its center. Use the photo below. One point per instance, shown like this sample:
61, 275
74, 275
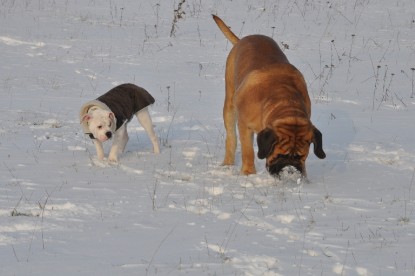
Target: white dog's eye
110, 124
99, 127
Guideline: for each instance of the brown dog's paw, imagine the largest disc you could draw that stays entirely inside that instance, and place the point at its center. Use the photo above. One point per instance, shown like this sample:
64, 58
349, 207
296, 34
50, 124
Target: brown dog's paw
228, 162
248, 171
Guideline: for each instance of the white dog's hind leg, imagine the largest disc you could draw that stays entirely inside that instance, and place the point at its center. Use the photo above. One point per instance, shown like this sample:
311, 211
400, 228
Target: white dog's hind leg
99, 148
118, 144
145, 120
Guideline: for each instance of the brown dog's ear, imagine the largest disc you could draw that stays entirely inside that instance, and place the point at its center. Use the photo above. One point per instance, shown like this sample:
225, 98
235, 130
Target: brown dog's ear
318, 143
266, 140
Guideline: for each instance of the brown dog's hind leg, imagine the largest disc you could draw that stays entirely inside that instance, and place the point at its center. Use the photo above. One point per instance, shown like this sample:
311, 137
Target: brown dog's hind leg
229, 116
229, 119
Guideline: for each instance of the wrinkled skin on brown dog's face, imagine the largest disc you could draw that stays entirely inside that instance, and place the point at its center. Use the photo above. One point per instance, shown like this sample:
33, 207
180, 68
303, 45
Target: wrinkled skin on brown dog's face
288, 146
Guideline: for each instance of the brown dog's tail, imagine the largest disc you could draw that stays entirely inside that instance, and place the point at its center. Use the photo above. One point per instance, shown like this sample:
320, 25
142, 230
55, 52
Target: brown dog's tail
225, 30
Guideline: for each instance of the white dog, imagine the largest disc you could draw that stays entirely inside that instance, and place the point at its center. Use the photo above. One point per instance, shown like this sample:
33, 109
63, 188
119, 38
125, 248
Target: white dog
107, 117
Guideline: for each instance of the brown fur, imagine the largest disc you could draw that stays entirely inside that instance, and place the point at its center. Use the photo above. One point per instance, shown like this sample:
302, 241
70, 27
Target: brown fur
268, 96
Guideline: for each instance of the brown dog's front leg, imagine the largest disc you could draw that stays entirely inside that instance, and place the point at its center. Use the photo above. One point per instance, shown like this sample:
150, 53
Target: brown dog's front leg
246, 136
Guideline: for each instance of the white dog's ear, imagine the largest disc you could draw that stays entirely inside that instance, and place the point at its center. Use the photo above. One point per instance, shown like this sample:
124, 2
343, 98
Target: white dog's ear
112, 116
86, 118
113, 120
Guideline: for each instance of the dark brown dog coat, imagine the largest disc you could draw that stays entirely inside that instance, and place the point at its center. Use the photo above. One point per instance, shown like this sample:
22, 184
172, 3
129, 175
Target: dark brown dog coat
124, 101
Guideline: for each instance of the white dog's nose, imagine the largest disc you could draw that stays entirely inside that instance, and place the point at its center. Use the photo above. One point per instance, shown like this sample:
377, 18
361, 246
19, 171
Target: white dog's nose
108, 134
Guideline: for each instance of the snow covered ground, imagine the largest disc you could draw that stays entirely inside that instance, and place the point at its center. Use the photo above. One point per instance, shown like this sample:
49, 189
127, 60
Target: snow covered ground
62, 212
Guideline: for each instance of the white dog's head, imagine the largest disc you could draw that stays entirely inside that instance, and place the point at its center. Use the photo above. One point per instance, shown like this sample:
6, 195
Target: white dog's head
101, 123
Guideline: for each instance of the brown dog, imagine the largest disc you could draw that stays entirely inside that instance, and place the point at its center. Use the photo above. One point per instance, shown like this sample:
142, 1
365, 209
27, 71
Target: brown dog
266, 95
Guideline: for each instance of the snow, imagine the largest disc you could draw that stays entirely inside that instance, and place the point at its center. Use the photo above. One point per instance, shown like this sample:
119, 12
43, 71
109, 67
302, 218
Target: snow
63, 212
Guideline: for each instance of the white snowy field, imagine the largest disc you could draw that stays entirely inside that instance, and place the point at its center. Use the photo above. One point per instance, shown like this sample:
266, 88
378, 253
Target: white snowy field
62, 212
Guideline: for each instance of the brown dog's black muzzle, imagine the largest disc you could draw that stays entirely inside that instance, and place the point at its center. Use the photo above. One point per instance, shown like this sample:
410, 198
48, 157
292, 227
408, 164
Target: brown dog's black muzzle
276, 165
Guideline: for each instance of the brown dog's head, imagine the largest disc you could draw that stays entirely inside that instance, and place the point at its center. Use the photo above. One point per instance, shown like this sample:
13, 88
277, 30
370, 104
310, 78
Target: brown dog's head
288, 146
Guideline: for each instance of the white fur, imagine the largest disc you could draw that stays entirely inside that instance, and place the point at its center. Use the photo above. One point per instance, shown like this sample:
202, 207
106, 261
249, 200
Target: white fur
102, 121
145, 120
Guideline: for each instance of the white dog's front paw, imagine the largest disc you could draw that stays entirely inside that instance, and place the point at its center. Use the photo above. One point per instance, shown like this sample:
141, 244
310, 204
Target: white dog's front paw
100, 157
113, 159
